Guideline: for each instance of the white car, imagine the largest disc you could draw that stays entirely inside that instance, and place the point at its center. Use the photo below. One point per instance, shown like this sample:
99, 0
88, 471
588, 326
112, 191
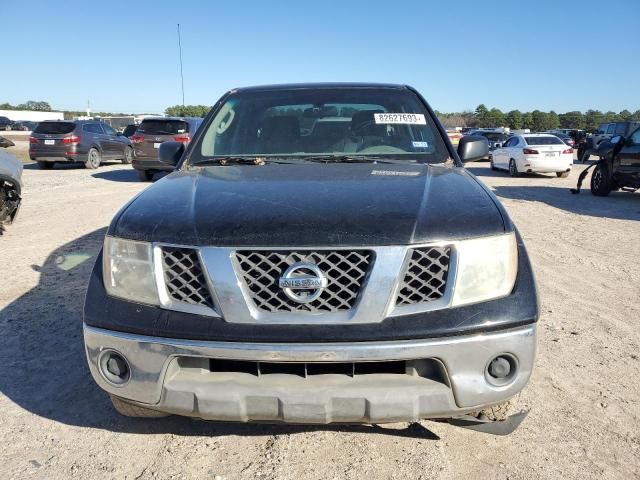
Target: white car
533, 153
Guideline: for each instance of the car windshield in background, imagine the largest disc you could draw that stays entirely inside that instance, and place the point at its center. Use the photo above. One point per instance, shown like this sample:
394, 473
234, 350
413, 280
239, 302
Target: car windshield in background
55, 128
332, 122
543, 141
163, 127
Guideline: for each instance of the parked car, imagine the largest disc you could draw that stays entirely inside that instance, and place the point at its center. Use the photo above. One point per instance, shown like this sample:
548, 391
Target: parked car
618, 167
19, 126
266, 281
10, 184
566, 138
534, 153
130, 130
495, 140
5, 123
88, 141
149, 136
454, 136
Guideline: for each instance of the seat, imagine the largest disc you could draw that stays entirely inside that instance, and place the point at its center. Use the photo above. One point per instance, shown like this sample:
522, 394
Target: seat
280, 134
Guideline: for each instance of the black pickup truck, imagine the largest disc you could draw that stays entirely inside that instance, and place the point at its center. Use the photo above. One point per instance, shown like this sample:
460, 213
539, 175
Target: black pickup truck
352, 272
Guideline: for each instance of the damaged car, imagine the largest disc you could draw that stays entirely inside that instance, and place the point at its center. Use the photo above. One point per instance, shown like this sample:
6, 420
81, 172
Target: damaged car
618, 167
289, 273
10, 184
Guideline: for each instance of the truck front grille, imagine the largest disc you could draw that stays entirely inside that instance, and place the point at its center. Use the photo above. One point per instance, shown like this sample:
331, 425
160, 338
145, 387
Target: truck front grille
184, 277
425, 278
345, 271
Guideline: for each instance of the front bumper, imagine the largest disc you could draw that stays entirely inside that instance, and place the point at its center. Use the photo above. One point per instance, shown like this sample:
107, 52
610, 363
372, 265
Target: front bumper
173, 375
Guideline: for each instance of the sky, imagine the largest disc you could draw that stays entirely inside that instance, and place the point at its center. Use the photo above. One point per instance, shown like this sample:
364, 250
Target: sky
123, 56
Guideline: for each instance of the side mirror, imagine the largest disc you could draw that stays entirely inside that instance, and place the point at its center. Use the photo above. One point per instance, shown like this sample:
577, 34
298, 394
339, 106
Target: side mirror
497, 145
618, 139
473, 147
170, 152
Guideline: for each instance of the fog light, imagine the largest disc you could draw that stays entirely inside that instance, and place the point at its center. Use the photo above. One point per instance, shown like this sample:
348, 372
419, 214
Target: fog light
114, 367
499, 367
501, 370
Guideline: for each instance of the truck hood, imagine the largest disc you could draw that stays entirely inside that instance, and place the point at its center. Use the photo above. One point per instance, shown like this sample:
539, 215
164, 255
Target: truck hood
312, 205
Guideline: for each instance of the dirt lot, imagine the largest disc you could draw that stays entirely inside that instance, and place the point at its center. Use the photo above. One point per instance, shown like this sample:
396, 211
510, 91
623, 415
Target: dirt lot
584, 395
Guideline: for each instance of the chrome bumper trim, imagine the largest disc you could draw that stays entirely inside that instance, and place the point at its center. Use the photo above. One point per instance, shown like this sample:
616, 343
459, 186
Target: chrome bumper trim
464, 358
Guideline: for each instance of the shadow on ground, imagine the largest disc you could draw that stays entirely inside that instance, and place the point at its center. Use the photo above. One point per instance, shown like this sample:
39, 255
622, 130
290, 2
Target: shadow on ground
69, 165
125, 175
43, 366
618, 205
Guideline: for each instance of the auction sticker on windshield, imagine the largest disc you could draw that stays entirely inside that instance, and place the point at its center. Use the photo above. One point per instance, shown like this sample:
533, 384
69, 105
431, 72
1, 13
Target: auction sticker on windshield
406, 118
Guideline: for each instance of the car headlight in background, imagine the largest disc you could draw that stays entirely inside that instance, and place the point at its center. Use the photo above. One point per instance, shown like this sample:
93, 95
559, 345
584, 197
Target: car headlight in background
128, 270
487, 269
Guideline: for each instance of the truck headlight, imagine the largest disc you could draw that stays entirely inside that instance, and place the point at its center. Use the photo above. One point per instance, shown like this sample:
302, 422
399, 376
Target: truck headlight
487, 269
128, 270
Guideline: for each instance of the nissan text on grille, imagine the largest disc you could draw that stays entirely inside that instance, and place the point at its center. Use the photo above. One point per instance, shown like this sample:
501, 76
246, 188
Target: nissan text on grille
318, 255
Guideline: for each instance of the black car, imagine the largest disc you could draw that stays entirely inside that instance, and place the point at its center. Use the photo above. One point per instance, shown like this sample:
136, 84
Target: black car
5, 123
619, 166
495, 139
130, 130
286, 273
87, 141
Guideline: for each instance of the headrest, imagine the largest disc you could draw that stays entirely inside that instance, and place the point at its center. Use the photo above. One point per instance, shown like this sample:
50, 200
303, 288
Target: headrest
284, 126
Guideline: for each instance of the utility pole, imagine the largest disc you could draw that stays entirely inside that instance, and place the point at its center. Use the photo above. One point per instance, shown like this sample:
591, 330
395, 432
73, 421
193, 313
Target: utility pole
181, 75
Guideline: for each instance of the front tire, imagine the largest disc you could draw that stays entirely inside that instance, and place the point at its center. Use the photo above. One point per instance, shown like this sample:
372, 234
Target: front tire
127, 409
128, 156
93, 159
45, 165
513, 168
562, 174
600, 184
145, 175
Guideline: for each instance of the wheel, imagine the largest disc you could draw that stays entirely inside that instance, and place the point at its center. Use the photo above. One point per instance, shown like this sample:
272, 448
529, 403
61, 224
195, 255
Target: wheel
562, 174
145, 175
128, 156
45, 165
491, 165
513, 168
130, 410
93, 159
600, 185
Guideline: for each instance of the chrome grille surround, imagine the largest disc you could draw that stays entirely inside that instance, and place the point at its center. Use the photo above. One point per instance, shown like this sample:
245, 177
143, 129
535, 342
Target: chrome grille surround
184, 278
425, 276
346, 271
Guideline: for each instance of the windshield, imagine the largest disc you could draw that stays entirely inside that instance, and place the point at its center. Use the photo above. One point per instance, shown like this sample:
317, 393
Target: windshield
543, 141
163, 127
378, 122
55, 128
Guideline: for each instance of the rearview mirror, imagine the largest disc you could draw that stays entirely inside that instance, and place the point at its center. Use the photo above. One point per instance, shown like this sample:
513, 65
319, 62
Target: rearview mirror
171, 152
473, 147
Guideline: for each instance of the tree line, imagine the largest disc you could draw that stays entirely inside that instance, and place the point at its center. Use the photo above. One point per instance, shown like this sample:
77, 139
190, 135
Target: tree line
536, 120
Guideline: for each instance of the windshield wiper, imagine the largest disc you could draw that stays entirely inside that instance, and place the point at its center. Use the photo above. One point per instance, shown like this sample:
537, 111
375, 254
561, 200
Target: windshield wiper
342, 158
240, 160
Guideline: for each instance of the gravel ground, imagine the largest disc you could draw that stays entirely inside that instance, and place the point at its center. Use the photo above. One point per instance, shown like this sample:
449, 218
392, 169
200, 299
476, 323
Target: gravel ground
584, 395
